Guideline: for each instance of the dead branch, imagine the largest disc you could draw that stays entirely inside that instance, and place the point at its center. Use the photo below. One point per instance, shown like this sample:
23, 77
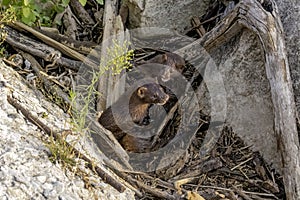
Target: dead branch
70, 24
64, 49
163, 124
83, 47
242, 194
204, 167
148, 189
81, 13
41, 50
27, 44
51, 87
198, 26
69, 64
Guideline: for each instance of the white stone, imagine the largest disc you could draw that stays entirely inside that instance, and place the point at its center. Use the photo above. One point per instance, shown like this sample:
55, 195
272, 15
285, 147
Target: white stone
41, 179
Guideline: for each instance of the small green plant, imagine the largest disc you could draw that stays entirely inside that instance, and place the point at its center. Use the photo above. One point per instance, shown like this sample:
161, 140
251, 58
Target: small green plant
2, 51
6, 16
83, 2
61, 151
35, 11
120, 57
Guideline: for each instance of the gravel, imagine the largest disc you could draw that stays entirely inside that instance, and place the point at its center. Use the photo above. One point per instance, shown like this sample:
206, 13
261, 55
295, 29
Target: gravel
25, 169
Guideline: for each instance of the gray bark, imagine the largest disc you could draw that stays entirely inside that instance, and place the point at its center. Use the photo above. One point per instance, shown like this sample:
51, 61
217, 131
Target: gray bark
289, 11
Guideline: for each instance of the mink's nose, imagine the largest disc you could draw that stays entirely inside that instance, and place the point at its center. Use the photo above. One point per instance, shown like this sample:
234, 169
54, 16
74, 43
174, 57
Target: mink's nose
164, 100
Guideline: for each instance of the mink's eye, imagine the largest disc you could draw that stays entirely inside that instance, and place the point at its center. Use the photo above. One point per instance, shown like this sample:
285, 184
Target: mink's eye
155, 96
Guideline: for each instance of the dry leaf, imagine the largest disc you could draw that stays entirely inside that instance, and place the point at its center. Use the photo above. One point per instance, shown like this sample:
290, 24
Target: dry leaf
194, 196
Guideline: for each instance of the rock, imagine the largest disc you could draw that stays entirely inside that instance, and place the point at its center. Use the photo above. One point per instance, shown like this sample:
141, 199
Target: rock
25, 169
175, 15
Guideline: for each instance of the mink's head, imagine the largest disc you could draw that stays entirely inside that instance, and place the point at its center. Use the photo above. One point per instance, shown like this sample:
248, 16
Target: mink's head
152, 93
175, 61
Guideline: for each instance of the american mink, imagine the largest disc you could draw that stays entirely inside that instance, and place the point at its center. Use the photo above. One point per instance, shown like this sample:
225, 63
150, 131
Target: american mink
132, 107
169, 65
155, 70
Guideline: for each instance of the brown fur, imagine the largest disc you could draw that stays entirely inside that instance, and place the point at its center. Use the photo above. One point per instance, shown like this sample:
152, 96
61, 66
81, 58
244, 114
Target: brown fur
174, 62
139, 102
155, 70
136, 144
171, 59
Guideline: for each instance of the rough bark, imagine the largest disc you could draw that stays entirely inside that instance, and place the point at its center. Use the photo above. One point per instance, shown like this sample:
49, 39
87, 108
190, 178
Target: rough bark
270, 31
289, 11
112, 26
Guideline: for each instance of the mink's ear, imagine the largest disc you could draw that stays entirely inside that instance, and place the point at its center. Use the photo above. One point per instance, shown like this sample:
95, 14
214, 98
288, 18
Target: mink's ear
164, 57
141, 92
166, 76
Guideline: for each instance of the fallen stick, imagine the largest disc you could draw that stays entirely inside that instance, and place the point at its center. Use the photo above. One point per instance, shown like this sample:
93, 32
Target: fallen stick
151, 190
40, 50
53, 89
64, 49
